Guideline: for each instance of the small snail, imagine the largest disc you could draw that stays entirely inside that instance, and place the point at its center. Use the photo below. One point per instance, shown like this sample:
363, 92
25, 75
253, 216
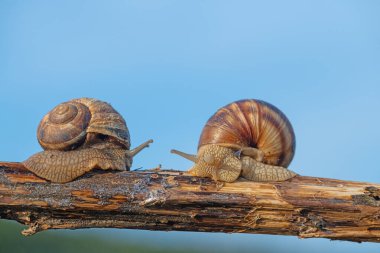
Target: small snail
251, 138
81, 135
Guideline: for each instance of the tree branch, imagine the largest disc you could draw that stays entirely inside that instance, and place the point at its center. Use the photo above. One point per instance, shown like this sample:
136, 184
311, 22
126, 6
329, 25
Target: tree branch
172, 200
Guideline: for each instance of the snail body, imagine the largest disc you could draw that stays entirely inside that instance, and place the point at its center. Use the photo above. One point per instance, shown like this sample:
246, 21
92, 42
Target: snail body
78, 136
249, 138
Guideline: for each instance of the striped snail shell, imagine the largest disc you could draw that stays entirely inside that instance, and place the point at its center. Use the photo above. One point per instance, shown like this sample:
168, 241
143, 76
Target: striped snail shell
251, 138
81, 135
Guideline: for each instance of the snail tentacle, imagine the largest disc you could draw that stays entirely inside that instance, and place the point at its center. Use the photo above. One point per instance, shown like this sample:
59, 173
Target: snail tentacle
136, 150
190, 157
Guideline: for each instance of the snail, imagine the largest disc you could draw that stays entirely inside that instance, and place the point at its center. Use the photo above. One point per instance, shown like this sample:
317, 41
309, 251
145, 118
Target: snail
78, 136
249, 138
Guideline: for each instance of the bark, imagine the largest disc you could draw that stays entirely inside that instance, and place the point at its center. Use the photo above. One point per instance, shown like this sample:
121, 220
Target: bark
172, 200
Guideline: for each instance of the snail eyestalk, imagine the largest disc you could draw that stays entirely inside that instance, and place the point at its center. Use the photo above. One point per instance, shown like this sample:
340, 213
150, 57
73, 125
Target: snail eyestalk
192, 158
137, 150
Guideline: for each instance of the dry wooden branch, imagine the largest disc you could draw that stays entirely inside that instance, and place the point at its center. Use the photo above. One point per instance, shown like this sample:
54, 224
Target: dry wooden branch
171, 200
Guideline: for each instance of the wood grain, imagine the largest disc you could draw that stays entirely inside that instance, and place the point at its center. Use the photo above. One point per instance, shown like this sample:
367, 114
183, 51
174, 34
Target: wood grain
306, 207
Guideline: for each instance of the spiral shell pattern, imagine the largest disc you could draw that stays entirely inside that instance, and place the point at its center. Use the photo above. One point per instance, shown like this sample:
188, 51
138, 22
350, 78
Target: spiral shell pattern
252, 123
67, 125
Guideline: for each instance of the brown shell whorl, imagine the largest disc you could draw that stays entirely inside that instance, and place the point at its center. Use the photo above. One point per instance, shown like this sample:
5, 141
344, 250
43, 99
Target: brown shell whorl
67, 125
64, 127
252, 123
106, 120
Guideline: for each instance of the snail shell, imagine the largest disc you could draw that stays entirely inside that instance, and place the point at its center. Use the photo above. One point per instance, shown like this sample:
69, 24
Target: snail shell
249, 137
69, 124
78, 136
252, 123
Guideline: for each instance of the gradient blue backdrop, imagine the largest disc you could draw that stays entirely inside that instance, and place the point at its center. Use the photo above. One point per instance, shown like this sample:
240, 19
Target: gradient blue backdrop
168, 65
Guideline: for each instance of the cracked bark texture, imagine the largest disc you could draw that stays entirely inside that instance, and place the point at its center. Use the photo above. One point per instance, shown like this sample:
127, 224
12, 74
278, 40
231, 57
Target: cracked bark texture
306, 207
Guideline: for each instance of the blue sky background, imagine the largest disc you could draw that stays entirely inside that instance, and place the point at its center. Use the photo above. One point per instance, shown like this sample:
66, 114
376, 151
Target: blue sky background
167, 66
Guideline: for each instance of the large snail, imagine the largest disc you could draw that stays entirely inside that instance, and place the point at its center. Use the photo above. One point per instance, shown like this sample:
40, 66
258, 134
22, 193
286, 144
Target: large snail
81, 135
251, 138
